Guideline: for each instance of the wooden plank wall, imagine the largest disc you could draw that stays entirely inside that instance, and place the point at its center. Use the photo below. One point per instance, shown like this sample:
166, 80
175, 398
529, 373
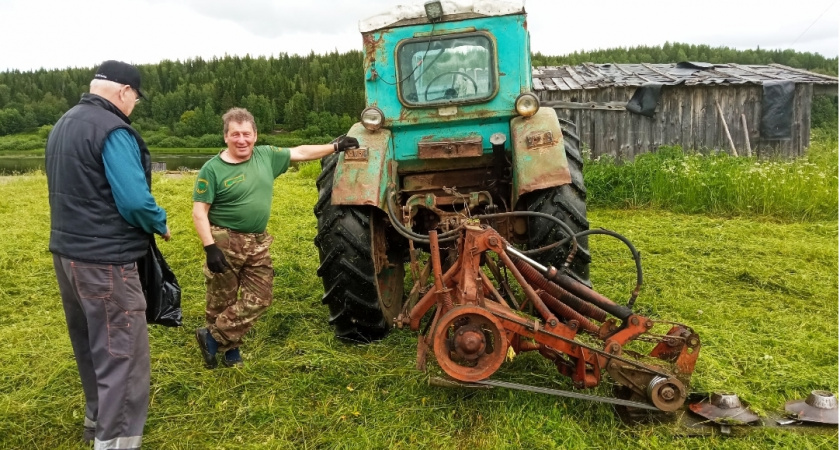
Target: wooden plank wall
686, 116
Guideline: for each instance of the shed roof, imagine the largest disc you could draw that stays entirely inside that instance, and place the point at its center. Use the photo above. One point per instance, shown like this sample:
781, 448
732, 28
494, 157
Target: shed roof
596, 76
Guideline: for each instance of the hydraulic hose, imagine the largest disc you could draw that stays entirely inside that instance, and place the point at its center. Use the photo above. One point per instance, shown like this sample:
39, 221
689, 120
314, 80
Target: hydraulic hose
569, 232
452, 235
637, 258
407, 233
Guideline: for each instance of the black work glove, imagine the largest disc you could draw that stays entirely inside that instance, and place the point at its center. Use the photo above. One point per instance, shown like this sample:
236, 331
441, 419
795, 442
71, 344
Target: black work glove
216, 261
345, 142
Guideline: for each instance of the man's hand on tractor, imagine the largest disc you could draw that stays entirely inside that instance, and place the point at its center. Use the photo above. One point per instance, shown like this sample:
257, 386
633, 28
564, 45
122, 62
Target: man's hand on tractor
216, 261
345, 142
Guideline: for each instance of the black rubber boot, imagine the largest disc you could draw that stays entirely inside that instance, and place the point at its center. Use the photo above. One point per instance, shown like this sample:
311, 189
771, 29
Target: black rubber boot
208, 347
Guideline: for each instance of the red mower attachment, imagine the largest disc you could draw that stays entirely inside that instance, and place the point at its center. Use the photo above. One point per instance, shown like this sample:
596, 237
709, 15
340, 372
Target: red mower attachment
473, 326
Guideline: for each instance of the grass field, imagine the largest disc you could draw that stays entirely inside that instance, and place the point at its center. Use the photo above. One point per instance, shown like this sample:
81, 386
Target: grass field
761, 292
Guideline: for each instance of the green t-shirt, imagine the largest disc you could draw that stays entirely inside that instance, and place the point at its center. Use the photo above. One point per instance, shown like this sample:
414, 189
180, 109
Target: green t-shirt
240, 194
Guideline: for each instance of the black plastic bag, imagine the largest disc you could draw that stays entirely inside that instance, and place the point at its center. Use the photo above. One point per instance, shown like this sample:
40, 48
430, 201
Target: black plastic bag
645, 99
163, 294
777, 109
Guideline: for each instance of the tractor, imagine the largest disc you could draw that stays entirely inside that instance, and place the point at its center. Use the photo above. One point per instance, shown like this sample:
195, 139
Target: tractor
451, 130
461, 177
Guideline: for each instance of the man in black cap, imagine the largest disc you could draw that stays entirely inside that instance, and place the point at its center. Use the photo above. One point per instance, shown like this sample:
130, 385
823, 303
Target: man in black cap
103, 216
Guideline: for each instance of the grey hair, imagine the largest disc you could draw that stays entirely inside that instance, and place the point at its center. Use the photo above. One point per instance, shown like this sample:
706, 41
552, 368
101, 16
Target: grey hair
97, 85
239, 115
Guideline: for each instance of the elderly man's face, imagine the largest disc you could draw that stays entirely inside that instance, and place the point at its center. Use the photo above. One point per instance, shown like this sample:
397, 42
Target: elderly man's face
240, 139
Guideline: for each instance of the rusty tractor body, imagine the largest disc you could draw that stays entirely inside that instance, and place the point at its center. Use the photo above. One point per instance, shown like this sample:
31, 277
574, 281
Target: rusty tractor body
451, 130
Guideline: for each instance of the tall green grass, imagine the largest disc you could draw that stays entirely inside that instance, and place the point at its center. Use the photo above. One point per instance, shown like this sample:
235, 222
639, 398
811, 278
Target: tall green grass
24, 142
799, 189
185, 150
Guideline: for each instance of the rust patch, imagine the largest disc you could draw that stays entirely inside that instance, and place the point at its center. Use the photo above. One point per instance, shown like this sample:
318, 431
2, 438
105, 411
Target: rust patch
432, 165
356, 154
484, 113
370, 46
538, 152
545, 180
434, 180
380, 258
539, 139
450, 148
358, 180
407, 116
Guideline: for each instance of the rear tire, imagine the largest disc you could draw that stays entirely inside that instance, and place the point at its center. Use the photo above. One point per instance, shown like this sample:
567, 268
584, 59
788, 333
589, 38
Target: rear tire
566, 202
361, 270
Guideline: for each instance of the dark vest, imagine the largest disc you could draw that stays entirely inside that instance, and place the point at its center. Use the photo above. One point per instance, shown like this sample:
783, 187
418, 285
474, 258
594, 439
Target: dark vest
85, 222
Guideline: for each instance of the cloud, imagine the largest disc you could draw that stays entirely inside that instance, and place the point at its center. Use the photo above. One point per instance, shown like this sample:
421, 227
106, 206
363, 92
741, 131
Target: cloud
561, 27
82, 33
273, 19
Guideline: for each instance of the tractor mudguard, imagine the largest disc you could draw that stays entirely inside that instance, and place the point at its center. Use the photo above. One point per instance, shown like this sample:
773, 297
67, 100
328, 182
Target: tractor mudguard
359, 173
539, 158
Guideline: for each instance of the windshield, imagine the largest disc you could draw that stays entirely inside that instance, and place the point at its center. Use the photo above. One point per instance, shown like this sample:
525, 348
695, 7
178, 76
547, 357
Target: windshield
440, 70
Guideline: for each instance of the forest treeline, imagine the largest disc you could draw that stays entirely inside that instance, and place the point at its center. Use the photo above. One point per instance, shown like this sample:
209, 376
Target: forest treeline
676, 52
308, 96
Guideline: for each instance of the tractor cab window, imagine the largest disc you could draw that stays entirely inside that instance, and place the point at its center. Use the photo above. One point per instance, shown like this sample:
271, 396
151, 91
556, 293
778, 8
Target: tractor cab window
443, 70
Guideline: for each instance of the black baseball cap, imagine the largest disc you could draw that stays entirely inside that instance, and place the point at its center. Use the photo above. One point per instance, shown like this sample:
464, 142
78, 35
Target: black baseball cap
120, 72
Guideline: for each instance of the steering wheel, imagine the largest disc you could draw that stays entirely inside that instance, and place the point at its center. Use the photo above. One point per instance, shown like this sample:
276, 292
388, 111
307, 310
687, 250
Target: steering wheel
451, 92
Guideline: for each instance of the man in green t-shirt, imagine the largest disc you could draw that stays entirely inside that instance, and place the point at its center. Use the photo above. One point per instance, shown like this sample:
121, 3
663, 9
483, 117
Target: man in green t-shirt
232, 203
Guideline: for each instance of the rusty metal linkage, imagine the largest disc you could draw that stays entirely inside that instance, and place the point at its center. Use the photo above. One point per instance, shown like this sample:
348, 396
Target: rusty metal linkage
474, 328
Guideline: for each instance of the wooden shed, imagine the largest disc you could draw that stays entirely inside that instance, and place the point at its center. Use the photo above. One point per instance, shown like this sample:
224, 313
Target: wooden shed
700, 106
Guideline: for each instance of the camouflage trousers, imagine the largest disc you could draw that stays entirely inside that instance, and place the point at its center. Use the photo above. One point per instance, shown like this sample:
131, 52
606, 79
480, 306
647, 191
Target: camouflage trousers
237, 298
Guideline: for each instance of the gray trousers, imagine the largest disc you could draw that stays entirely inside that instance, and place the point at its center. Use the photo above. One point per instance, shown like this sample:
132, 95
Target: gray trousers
106, 318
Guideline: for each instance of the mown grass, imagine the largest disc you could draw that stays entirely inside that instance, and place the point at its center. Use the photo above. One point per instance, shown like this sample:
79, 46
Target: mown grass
761, 293
800, 189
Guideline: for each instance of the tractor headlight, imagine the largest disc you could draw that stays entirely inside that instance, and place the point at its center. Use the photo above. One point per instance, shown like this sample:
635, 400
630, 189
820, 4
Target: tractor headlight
372, 118
527, 104
434, 10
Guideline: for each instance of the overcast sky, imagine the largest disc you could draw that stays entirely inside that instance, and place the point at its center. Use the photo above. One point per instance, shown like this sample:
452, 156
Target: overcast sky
82, 33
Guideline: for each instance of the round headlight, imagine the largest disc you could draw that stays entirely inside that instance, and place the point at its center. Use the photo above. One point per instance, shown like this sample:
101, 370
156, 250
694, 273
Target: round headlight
372, 118
527, 104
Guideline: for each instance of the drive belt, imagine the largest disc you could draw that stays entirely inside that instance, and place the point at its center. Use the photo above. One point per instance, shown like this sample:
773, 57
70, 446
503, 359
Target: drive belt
570, 394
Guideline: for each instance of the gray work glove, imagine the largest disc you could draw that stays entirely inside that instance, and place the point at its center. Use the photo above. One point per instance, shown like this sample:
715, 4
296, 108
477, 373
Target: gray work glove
216, 261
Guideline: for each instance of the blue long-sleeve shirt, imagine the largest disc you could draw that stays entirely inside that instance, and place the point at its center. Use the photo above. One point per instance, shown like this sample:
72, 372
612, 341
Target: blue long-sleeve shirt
121, 156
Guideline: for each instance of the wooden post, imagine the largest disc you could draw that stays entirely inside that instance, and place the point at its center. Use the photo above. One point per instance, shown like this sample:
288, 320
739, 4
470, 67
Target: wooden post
726, 129
746, 134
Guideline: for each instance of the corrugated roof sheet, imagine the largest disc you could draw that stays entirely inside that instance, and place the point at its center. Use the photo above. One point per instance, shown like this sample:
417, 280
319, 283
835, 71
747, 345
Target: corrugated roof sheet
595, 76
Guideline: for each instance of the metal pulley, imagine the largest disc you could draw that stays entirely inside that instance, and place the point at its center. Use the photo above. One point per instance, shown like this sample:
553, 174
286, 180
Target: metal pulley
469, 343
